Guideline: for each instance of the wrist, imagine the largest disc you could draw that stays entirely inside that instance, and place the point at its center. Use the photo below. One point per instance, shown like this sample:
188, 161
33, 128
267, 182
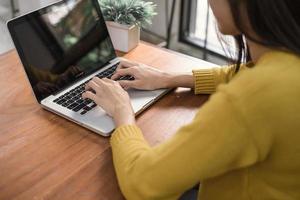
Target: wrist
168, 80
173, 79
124, 116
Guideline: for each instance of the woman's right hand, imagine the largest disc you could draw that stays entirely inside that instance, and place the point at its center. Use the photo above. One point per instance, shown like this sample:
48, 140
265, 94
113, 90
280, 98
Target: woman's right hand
145, 77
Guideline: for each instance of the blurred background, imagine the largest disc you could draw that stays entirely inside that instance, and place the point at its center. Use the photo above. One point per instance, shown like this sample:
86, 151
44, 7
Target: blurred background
184, 26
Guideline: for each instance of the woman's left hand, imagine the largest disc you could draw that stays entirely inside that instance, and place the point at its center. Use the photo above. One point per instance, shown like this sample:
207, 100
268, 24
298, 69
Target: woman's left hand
112, 98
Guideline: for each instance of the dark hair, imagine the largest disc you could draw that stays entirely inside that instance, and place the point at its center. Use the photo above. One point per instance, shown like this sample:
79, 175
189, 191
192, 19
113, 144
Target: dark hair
275, 22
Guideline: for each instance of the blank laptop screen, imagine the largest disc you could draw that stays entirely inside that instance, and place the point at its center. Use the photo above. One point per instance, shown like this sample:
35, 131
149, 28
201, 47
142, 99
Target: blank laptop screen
62, 43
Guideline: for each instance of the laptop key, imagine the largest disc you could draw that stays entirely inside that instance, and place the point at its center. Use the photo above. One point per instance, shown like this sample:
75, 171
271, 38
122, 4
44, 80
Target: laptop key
65, 104
59, 98
82, 91
75, 98
109, 76
125, 77
70, 101
73, 105
93, 105
67, 97
101, 76
79, 107
87, 108
72, 90
88, 101
83, 112
61, 101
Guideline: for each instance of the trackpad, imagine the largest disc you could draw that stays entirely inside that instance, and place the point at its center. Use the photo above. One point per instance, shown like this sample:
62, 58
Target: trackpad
140, 98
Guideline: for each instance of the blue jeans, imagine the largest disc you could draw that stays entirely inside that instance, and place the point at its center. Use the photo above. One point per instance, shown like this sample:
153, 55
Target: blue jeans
191, 194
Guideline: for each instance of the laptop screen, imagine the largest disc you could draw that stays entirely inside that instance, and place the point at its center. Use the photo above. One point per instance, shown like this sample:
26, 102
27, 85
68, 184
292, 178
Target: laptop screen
62, 43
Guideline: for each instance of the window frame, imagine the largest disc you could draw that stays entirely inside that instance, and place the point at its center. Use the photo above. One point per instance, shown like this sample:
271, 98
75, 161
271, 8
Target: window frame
187, 25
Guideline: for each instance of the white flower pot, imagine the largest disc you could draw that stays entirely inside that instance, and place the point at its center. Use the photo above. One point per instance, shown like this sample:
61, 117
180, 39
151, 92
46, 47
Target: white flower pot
124, 38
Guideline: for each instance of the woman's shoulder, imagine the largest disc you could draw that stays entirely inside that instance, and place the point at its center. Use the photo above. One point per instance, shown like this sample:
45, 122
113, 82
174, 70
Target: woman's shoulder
277, 69
273, 80
279, 59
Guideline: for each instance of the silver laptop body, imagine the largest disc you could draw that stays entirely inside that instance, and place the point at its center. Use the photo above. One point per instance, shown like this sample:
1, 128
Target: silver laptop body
60, 54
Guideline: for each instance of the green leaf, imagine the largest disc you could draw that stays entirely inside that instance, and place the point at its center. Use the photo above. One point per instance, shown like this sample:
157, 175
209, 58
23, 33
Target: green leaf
128, 12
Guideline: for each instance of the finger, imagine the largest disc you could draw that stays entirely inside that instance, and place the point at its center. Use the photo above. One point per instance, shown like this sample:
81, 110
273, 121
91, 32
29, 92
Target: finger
87, 86
126, 88
107, 80
123, 72
111, 83
101, 82
91, 85
98, 81
128, 84
89, 95
126, 63
116, 76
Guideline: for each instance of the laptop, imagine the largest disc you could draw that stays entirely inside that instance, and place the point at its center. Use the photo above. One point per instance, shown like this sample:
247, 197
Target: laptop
62, 47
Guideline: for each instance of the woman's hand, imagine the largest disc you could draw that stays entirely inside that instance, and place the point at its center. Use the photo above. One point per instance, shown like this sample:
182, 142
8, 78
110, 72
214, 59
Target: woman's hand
146, 78
112, 98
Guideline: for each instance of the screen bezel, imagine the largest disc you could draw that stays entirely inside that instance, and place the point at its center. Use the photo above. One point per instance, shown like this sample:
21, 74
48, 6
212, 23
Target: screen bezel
12, 23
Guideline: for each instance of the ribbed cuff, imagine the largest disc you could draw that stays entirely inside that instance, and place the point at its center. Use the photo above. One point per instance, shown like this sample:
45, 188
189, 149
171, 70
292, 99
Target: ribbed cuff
204, 81
126, 132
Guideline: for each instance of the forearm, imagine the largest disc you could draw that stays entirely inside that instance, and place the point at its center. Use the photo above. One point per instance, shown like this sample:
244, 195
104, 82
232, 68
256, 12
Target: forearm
175, 79
203, 81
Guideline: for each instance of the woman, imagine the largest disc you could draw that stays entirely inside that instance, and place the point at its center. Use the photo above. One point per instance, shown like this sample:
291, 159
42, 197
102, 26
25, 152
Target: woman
244, 143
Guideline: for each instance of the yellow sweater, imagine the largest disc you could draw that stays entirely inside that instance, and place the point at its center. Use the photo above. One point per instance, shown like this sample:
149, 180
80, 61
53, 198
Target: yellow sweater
244, 143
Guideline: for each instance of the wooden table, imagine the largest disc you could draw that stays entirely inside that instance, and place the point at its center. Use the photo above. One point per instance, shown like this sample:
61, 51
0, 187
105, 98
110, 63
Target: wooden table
43, 156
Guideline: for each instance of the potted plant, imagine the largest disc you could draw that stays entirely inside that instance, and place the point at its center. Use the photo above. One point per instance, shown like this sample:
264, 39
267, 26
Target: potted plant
124, 18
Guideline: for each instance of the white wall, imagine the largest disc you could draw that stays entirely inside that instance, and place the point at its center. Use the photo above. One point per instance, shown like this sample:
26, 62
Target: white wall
159, 21
29, 5
5, 10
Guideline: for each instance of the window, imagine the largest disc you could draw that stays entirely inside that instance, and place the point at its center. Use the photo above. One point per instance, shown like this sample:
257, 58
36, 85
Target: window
199, 28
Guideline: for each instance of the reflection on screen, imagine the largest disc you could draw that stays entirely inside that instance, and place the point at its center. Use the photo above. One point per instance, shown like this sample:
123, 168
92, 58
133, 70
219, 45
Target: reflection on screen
62, 44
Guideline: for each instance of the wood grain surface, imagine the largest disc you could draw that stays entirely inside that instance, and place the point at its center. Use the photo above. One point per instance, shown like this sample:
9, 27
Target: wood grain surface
44, 156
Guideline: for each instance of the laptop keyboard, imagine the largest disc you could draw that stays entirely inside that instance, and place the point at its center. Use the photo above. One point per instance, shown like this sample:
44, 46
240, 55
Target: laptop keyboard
72, 100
